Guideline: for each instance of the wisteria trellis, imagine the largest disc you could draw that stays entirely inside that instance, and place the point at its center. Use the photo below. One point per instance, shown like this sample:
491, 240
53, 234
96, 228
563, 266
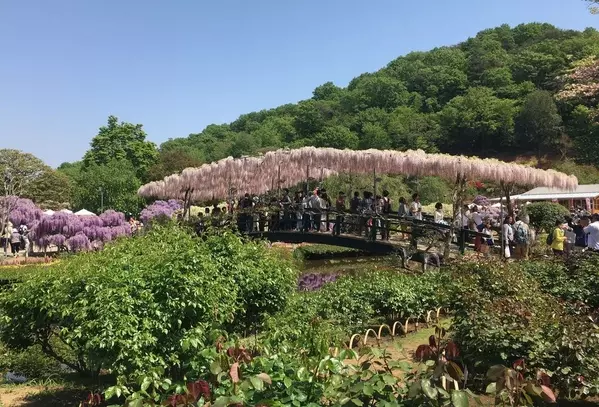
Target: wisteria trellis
257, 175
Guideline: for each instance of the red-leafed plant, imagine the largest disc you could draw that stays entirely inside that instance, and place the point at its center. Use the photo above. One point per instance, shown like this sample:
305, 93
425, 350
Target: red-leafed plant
92, 400
510, 386
442, 378
195, 391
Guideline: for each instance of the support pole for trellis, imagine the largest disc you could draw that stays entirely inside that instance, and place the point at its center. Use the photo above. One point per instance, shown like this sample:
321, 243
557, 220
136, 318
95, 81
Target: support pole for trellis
501, 221
307, 179
458, 204
374, 182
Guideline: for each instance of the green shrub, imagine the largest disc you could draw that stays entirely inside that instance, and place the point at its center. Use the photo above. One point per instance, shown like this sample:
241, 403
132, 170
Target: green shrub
576, 280
321, 251
354, 301
264, 279
31, 363
145, 302
502, 315
544, 214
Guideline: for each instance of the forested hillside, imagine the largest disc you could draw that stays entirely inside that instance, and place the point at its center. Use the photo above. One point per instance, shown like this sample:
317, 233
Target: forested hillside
501, 92
529, 91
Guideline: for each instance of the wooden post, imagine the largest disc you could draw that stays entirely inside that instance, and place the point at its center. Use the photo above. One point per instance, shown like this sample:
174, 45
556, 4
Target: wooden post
501, 221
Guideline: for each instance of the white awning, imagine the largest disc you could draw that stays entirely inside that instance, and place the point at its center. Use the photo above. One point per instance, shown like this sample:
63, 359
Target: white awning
559, 196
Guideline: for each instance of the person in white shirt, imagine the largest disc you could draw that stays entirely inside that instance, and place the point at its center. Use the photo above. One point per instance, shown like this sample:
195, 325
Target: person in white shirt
439, 213
416, 207
508, 235
592, 230
477, 218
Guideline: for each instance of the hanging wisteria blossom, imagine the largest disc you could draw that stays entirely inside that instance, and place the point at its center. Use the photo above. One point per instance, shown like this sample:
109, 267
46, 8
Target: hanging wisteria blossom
285, 168
160, 209
24, 212
63, 229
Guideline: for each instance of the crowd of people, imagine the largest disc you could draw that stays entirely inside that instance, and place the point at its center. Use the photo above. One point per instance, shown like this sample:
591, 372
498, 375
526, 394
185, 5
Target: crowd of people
363, 214
15, 239
568, 235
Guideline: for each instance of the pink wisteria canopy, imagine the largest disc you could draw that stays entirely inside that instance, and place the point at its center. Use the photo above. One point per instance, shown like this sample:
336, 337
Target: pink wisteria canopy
286, 168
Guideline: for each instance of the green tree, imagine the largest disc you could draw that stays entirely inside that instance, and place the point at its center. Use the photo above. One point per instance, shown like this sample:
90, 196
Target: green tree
593, 6
171, 162
379, 91
243, 144
52, 189
431, 189
485, 52
477, 122
312, 116
115, 181
327, 91
539, 123
122, 141
374, 136
412, 130
336, 137
19, 171
584, 129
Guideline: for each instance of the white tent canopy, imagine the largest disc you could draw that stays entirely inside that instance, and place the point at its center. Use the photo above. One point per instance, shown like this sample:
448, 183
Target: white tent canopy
49, 212
66, 211
84, 212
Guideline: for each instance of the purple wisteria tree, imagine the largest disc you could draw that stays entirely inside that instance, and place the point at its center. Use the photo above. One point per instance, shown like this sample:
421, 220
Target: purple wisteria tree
66, 230
160, 209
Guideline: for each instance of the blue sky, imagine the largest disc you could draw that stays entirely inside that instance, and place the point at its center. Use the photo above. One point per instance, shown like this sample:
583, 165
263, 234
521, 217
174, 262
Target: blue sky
177, 66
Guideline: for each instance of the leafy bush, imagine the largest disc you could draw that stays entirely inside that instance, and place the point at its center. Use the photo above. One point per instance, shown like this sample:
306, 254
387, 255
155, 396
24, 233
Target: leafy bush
31, 363
145, 302
544, 214
264, 279
501, 315
576, 280
321, 251
353, 301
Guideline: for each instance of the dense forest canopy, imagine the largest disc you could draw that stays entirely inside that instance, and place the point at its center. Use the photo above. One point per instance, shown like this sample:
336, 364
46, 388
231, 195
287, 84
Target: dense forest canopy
492, 94
530, 90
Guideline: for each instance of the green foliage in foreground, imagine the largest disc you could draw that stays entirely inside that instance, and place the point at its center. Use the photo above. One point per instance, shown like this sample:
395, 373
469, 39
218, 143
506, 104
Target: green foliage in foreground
501, 315
576, 280
145, 302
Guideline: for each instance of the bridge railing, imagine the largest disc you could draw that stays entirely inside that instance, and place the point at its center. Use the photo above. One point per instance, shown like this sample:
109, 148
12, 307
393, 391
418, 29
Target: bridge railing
370, 226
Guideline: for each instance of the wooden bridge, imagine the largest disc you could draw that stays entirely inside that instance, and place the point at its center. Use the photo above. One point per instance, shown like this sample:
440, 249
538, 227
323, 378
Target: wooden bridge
372, 233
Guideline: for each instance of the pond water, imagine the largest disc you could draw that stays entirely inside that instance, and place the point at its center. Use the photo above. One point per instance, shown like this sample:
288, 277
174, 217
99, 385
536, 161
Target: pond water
348, 265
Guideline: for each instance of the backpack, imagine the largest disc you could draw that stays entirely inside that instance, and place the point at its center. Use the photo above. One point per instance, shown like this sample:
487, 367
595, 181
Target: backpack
550, 238
520, 235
